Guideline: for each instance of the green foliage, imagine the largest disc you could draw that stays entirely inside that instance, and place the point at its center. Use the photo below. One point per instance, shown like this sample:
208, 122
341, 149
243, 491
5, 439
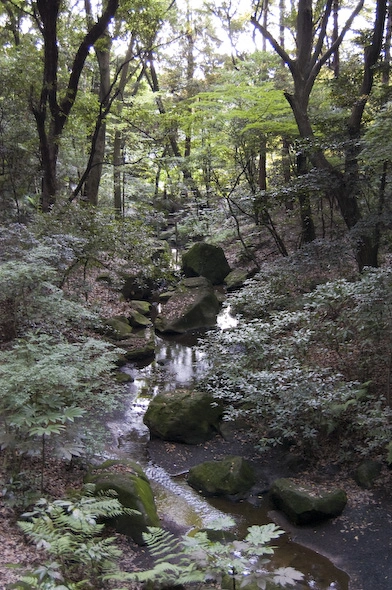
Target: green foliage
317, 375
195, 558
46, 384
95, 239
30, 275
71, 533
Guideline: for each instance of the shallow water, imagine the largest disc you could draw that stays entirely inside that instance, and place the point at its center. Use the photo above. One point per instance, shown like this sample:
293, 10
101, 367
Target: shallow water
178, 363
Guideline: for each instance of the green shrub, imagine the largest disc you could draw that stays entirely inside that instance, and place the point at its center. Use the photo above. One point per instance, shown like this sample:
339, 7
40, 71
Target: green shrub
195, 558
310, 377
71, 533
46, 384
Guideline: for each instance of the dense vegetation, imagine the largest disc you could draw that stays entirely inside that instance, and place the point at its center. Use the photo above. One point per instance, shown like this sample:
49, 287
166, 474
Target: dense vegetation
132, 127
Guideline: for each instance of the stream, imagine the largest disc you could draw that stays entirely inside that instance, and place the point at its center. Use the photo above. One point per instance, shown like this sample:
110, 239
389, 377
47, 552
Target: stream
178, 363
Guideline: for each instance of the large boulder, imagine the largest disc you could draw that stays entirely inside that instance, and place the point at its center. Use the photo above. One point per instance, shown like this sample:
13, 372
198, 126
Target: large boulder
207, 261
193, 306
228, 477
304, 505
133, 490
183, 415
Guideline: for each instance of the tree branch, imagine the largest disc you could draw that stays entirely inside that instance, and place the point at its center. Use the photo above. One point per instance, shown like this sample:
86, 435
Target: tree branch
277, 47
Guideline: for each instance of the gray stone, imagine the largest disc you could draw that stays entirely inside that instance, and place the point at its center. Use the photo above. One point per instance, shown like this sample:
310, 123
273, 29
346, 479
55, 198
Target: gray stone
193, 306
304, 505
183, 416
133, 490
206, 260
227, 477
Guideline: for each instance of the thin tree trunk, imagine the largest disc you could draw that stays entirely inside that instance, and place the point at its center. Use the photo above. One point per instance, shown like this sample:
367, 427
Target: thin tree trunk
387, 46
93, 180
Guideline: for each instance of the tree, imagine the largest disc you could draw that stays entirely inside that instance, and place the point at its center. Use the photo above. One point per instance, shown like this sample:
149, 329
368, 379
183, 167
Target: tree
310, 56
51, 109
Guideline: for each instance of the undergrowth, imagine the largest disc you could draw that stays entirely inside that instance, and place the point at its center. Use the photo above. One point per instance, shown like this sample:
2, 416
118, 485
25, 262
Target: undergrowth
310, 369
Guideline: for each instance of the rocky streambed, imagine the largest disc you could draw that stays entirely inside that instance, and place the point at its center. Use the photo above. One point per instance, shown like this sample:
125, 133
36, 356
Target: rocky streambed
328, 553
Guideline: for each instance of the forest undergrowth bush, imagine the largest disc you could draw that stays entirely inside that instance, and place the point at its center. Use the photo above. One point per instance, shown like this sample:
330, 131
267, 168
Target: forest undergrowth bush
100, 241
51, 373
310, 369
71, 533
196, 560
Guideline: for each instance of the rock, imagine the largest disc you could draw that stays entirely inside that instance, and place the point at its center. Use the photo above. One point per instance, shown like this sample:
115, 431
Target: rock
366, 473
118, 328
139, 345
303, 505
134, 491
143, 307
236, 279
207, 261
138, 320
228, 477
122, 377
183, 416
194, 305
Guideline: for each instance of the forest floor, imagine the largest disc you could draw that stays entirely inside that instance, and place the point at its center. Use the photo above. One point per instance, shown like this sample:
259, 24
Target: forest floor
358, 542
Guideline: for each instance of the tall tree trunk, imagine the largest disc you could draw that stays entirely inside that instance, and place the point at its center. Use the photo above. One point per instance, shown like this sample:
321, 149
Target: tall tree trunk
335, 35
98, 140
304, 70
387, 46
50, 114
308, 232
117, 176
263, 164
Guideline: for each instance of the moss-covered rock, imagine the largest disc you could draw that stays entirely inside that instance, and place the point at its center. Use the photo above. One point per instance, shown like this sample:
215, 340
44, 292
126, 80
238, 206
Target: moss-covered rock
236, 279
207, 261
366, 473
303, 505
138, 320
143, 307
194, 305
118, 328
122, 377
183, 416
133, 488
228, 477
139, 345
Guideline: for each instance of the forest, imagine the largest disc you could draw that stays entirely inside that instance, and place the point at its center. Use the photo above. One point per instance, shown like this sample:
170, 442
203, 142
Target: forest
131, 130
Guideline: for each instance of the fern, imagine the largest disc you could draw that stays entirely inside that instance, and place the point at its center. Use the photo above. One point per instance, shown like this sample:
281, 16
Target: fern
69, 531
196, 559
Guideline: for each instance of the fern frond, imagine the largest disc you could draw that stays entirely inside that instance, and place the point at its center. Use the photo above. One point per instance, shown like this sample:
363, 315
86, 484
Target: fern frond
162, 544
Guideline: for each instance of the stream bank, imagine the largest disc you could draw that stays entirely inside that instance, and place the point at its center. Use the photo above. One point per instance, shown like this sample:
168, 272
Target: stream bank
358, 542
